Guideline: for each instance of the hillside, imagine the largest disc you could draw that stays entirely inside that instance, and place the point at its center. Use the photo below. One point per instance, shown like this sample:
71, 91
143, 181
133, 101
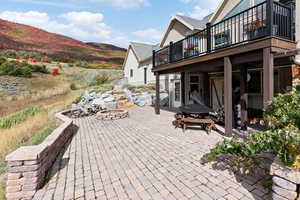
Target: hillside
22, 37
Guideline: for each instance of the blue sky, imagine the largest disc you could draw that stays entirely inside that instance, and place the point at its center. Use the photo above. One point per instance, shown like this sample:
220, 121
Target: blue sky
110, 21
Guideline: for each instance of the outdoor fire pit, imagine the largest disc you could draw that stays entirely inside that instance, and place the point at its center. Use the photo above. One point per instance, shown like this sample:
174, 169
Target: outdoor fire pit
112, 114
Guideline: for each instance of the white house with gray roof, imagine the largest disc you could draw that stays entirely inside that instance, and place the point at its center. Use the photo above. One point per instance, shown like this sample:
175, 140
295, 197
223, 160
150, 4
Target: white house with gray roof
138, 64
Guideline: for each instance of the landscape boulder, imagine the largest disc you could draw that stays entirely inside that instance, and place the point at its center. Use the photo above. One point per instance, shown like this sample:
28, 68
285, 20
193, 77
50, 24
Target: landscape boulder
143, 99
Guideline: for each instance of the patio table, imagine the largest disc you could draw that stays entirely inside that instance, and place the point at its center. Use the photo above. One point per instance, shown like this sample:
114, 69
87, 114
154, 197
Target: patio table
195, 110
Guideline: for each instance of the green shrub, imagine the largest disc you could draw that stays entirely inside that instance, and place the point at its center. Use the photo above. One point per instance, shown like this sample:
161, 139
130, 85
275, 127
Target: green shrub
73, 86
102, 88
102, 78
17, 118
22, 72
7, 68
2, 60
38, 68
77, 100
282, 138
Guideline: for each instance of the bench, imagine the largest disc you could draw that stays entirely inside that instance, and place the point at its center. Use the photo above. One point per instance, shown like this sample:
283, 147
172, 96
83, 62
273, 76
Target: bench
183, 122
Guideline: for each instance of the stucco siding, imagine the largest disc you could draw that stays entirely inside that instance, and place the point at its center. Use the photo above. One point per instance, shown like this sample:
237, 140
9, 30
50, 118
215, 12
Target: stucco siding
131, 64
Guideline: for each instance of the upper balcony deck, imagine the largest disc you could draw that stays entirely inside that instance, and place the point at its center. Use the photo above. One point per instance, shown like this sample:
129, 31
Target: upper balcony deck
265, 20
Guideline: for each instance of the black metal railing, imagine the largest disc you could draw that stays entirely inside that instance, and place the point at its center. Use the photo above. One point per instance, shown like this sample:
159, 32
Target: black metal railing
265, 19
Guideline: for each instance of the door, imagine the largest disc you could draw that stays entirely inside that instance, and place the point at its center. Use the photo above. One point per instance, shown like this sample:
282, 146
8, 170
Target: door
177, 94
217, 92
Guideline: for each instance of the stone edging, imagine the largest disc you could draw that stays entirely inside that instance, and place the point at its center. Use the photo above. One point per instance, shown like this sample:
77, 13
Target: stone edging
112, 114
286, 182
28, 166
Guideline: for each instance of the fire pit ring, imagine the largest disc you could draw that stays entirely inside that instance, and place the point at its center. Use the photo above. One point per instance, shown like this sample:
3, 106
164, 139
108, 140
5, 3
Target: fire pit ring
112, 114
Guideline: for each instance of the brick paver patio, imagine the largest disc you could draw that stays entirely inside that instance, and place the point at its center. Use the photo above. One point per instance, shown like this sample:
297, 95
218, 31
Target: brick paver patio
143, 157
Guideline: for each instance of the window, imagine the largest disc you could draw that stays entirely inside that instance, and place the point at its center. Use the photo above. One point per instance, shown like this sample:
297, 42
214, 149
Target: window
254, 85
131, 73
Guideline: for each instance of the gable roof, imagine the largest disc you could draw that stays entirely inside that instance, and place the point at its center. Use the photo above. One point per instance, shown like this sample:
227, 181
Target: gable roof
220, 8
143, 51
191, 23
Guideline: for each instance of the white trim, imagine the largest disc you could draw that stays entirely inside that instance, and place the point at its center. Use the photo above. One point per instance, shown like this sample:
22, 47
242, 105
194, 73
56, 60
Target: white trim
218, 10
172, 22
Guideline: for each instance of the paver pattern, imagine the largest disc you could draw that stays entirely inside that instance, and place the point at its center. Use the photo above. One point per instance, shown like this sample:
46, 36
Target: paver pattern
143, 157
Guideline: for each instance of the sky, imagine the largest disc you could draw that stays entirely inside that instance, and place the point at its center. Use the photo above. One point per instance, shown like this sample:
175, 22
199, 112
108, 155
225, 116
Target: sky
116, 22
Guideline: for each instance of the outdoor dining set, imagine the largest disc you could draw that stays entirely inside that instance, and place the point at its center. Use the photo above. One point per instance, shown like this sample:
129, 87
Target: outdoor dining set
196, 115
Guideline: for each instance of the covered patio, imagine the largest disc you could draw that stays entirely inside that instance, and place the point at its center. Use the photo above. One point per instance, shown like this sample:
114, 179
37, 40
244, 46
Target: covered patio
233, 64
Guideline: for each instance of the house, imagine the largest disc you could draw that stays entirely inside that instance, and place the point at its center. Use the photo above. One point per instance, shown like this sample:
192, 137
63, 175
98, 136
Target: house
138, 62
244, 55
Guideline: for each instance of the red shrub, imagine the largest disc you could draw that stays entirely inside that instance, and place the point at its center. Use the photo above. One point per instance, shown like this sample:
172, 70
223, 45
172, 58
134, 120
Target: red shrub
55, 72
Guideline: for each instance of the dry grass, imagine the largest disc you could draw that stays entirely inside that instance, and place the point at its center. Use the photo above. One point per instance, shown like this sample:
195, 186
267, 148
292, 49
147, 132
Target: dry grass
12, 138
31, 131
2, 189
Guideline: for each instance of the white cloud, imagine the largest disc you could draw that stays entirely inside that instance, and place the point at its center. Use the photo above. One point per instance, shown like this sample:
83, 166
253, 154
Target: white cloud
83, 17
84, 26
201, 8
123, 3
150, 35
199, 12
87, 3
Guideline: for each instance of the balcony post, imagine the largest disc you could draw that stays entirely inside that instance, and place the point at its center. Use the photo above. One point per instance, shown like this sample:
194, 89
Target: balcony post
153, 58
268, 74
228, 96
270, 17
208, 35
170, 52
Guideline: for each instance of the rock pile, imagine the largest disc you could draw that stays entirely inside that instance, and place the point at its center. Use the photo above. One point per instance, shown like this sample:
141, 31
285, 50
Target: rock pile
92, 102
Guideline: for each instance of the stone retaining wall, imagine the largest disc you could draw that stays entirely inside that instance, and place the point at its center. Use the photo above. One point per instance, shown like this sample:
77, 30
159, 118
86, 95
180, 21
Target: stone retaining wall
286, 182
28, 166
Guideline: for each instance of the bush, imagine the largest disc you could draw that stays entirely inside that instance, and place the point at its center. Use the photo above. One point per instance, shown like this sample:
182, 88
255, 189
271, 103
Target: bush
101, 79
7, 68
22, 72
102, 88
282, 138
2, 60
77, 100
38, 68
73, 86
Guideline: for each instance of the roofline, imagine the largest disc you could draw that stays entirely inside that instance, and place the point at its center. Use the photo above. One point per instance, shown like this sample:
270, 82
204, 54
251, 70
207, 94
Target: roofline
127, 53
219, 7
173, 19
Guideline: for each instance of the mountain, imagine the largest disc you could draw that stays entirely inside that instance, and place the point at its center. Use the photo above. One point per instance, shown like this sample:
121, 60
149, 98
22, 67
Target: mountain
16, 36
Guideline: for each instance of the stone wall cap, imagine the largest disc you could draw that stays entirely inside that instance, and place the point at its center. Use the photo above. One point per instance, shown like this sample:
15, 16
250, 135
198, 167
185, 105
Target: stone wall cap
24, 153
288, 173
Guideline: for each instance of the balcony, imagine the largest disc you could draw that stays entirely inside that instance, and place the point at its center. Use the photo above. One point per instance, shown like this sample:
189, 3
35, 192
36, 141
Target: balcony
264, 20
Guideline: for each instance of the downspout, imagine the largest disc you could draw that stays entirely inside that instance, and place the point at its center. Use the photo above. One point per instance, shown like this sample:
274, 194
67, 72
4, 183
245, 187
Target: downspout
297, 57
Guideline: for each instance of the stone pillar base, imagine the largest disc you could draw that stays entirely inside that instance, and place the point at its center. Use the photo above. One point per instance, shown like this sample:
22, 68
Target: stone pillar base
286, 182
